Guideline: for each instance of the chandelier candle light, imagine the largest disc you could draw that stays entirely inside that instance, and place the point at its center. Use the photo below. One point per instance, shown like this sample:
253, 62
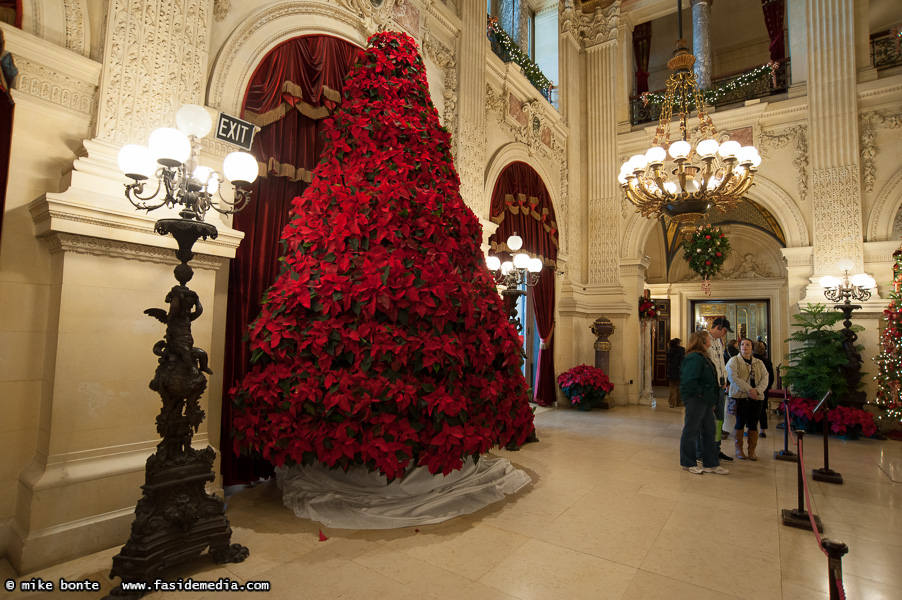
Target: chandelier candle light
511, 274
712, 175
175, 518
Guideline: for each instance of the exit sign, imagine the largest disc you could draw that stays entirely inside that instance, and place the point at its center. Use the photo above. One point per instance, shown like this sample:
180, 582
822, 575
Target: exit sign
235, 131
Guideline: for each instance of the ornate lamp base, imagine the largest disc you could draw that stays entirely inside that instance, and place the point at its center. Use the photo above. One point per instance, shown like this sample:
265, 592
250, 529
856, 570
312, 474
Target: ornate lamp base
176, 519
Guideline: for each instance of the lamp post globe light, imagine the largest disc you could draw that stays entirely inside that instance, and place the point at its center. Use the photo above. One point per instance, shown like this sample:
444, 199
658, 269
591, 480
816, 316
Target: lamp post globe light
176, 519
510, 275
843, 291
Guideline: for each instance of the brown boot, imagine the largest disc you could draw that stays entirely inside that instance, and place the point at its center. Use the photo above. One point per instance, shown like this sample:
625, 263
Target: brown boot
753, 443
737, 433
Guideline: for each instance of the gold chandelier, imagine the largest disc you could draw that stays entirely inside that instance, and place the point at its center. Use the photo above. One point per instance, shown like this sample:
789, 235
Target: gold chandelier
713, 175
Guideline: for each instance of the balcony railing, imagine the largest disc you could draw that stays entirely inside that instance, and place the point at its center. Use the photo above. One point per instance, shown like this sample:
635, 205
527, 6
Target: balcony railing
508, 51
886, 49
725, 89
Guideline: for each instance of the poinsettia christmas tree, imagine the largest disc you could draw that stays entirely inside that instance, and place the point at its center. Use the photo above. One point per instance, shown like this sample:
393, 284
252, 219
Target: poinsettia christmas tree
383, 342
889, 361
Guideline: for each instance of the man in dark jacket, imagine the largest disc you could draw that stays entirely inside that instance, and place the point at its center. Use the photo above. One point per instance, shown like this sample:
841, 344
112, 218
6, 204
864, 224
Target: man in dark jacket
675, 354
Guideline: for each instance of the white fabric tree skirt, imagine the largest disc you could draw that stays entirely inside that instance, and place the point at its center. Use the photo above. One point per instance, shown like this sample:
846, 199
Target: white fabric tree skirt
360, 499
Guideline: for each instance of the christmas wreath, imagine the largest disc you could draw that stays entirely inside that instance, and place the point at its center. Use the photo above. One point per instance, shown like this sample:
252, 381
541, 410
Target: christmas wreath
705, 250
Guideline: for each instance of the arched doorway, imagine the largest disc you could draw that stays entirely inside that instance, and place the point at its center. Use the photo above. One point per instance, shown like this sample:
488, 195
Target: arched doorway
293, 89
521, 203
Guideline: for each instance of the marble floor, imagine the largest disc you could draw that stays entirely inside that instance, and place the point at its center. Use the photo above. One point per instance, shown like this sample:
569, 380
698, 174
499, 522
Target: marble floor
609, 514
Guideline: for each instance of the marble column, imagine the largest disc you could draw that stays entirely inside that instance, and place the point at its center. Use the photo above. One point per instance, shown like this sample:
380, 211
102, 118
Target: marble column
603, 193
701, 41
470, 156
570, 92
797, 19
833, 137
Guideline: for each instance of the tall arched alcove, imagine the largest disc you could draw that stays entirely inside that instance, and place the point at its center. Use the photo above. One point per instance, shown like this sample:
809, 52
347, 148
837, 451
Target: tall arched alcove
263, 30
755, 268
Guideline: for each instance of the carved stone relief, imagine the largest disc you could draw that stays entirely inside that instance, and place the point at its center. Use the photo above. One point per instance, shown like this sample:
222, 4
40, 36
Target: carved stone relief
470, 164
155, 61
39, 81
776, 141
375, 14
593, 28
868, 124
82, 244
70, 33
739, 266
444, 59
837, 218
221, 9
528, 123
407, 16
76, 25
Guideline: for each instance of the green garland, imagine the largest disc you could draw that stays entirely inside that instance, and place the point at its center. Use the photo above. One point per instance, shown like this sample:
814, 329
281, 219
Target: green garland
714, 95
705, 250
515, 53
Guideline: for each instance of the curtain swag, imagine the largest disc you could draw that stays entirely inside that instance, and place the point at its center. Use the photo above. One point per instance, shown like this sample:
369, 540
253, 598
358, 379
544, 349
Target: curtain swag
292, 94
516, 207
274, 168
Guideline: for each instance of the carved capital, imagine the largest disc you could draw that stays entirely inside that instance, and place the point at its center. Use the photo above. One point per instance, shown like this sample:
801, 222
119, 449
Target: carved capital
590, 23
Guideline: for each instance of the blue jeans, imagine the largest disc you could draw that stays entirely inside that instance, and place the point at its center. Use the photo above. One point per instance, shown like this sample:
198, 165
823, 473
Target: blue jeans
698, 422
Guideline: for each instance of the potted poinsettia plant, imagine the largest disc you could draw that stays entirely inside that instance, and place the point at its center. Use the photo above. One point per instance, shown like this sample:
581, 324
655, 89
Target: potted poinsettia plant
844, 420
585, 386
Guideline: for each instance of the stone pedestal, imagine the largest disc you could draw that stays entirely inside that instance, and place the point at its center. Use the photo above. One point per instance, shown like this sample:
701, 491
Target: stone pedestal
602, 328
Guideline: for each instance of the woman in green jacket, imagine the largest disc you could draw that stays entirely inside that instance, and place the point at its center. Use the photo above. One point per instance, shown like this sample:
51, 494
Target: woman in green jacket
699, 389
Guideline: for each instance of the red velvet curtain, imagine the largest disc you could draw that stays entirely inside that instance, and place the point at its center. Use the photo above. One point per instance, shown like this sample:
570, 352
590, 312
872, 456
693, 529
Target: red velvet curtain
642, 49
293, 89
6, 134
7, 108
774, 12
521, 204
